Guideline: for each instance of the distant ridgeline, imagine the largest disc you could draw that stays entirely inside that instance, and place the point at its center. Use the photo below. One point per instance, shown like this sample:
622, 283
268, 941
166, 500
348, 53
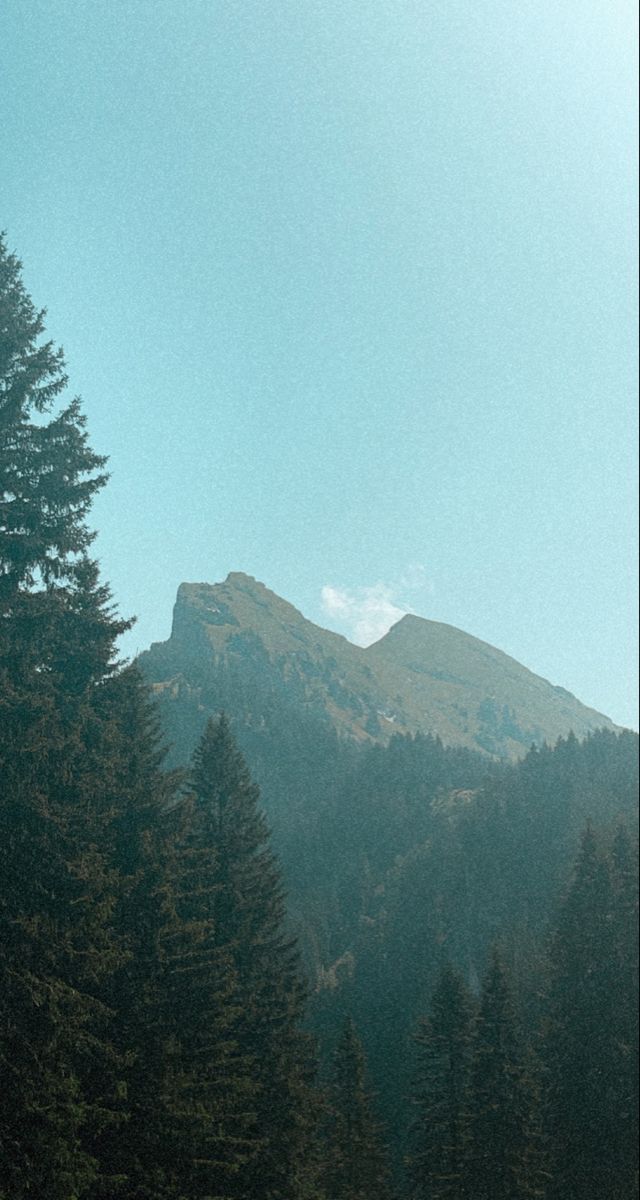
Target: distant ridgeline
414, 820
238, 643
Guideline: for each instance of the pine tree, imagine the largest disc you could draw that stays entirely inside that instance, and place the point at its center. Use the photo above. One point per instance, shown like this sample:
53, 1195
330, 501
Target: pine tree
133, 795
585, 1048
247, 914
57, 636
502, 1163
209, 1090
440, 1130
357, 1167
55, 947
626, 942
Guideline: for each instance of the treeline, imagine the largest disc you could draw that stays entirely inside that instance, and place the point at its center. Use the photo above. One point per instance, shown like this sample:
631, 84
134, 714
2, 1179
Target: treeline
460, 868
506, 1113
502, 1110
152, 1006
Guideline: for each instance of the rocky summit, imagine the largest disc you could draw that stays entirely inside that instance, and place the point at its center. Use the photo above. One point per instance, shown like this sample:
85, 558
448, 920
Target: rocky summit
236, 645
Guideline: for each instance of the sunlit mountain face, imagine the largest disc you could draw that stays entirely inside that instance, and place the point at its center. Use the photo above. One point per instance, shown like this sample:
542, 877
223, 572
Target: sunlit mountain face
238, 645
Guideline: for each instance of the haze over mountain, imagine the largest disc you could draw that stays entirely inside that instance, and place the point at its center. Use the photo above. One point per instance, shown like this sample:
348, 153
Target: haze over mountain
421, 676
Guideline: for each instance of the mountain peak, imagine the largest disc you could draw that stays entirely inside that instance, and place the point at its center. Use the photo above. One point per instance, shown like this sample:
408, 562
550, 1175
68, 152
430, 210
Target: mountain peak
421, 676
404, 625
241, 579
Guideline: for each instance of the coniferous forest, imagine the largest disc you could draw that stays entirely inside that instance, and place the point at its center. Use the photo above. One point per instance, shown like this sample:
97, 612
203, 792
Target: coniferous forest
423, 986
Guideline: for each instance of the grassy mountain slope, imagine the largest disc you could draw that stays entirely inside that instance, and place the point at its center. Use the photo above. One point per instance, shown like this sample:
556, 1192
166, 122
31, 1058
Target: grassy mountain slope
423, 675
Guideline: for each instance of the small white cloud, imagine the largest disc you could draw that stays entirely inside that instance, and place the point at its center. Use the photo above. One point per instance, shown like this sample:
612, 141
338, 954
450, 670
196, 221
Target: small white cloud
366, 613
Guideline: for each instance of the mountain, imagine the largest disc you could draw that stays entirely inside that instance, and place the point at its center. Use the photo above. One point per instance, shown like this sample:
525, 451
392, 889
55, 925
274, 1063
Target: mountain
397, 851
240, 646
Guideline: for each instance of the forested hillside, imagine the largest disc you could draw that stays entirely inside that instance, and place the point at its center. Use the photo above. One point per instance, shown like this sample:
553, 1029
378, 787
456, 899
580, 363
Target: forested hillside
401, 856
424, 986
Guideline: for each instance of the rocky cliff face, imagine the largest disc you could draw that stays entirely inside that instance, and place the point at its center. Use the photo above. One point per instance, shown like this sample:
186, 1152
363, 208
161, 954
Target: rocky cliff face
239, 646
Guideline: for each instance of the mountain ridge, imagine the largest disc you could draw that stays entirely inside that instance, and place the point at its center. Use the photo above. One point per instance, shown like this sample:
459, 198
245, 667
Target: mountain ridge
244, 641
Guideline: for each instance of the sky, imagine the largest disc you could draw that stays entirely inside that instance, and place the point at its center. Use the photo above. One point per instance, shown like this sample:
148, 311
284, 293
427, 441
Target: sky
348, 292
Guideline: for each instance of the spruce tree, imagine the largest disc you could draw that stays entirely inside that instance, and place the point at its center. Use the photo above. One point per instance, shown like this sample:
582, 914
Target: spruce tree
48, 473
357, 1168
502, 1162
209, 1089
247, 914
440, 1131
133, 795
626, 943
57, 636
589, 1102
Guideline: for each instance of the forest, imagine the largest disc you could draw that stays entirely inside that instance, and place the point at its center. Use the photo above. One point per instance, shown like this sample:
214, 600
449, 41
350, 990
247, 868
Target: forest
402, 972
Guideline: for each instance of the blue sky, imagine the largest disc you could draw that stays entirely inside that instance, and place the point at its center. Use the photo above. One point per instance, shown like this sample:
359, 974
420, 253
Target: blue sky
349, 296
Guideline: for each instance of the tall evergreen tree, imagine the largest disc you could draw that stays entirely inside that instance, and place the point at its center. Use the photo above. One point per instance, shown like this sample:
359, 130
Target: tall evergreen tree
209, 1088
186, 1085
502, 1163
626, 943
133, 795
57, 636
48, 473
357, 1167
247, 914
440, 1132
588, 1107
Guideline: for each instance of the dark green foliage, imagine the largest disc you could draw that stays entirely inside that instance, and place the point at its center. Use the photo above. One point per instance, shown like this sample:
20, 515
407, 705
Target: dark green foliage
47, 470
441, 1127
247, 914
57, 636
149, 998
357, 1169
395, 855
626, 942
134, 794
209, 1085
501, 1156
590, 1046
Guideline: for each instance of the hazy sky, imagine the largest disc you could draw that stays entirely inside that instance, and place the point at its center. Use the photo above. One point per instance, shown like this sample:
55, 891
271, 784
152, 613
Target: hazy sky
347, 289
